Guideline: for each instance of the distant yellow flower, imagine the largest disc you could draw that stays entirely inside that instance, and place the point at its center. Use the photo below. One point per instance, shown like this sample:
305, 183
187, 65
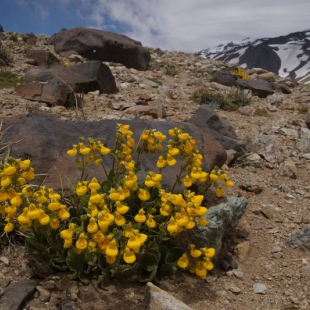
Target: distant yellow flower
81, 189
187, 181
5, 181
183, 261
202, 221
8, 227
143, 194
201, 211
209, 252
93, 184
112, 249
53, 206
83, 149
24, 164
172, 226
119, 219
10, 170
134, 244
33, 212
213, 177
229, 183
121, 208
114, 195
173, 151
67, 243
129, 256
201, 272
92, 227
81, 243
194, 252
150, 223
140, 217
110, 259
23, 217
208, 265
67, 233
44, 219
73, 151
219, 192
54, 223
104, 150
171, 161
161, 163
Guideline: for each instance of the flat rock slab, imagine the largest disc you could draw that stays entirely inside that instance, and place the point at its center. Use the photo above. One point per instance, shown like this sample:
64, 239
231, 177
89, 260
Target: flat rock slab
45, 141
16, 294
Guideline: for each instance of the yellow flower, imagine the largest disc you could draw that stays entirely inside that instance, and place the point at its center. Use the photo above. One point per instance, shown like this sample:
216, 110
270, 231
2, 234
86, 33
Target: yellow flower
33, 212
219, 192
209, 253
63, 213
183, 136
150, 223
8, 227
67, 233
161, 163
183, 261
190, 224
129, 256
140, 217
141, 237
81, 189
3, 194
114, 195
110, 259
81, 243
201, 211
83, 149
172, 132
53, 206
213, 177
194, 252
134, 244
21, 181
208, 265
119, 219
24, 164
54, 223
164, 209
149, 182
229, 183
173, 151
10, 170
112, 249
223, 176
187, 182
93, 184
121, 209
201, 272
143, 194
171, 161
92, 227
44, 219
98, 237
5, 181
67, 243
16, 201
172, 226
104, 150
73, 151
202, 221
23, 218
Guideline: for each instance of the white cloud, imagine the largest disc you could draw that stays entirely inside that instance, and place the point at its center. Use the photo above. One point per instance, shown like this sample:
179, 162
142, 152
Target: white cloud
191, 25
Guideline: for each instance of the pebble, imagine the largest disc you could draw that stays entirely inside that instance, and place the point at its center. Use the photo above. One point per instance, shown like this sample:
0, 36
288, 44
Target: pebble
260, 288
238, 273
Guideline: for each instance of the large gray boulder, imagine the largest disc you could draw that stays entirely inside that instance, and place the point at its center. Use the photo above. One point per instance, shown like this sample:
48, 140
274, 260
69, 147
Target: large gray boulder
259, 88
222, 219
101, 45
45, 141
41, 57
53, 85
213, 125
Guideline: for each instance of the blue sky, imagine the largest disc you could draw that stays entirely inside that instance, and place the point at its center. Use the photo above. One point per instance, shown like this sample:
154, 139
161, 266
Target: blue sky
182, 25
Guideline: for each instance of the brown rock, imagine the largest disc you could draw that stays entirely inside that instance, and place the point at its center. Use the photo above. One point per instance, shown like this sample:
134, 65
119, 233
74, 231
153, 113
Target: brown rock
242, 251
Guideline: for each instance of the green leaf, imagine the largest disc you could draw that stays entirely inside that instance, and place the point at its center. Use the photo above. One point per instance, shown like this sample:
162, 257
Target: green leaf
127, 271
168, 269
173, 255
76, 261
33, 245
149, 261
148, 277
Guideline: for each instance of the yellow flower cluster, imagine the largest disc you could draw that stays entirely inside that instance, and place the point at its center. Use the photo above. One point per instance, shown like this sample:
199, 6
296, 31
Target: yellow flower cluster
119, 218
240, 73
197, 261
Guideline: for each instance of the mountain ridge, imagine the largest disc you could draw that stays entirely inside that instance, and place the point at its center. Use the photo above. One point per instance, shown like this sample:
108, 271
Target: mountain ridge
286, 55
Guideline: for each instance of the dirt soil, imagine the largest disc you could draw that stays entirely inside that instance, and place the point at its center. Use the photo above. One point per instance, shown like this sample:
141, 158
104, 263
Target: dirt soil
262, 254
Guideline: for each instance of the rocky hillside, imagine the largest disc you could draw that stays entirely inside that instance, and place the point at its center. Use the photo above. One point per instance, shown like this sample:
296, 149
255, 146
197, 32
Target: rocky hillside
287, 55
267, 260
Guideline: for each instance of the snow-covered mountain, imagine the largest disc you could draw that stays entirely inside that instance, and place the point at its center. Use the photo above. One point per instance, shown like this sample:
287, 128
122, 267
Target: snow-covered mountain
287, 55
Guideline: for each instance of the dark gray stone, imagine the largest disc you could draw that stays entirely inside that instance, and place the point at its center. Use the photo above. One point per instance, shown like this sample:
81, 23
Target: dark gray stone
43, 58
213, 125
16, 294
95, 44
300, 239
45, 141
308, 122
259, 88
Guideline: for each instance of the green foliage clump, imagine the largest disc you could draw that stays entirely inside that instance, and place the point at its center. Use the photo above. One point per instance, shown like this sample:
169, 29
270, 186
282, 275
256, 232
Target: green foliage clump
229, 101
171, 70
5, 56
9, 79
119, 227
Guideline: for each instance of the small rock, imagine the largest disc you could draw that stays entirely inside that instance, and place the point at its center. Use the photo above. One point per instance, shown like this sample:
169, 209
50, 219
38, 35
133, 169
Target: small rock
250, 185
276, 249
234, 289
260, 288
238, 273
45, 295
272, 213
288, 169
242, 250
5, 260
